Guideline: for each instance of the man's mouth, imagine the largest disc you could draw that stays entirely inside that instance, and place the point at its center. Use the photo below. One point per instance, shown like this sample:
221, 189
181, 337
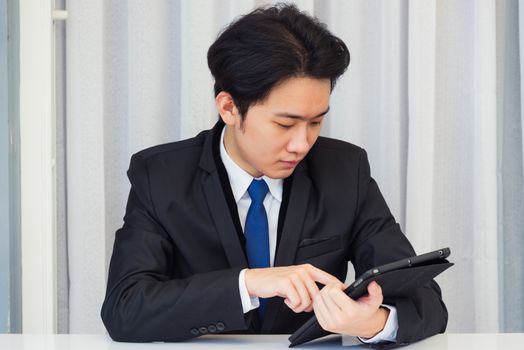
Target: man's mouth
290, 163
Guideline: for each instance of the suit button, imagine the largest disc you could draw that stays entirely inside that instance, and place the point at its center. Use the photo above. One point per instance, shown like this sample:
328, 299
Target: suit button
220, 326
194, 331
211, 328
202, 330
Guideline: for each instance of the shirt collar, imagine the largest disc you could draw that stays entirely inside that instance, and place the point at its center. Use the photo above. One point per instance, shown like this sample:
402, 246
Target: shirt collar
240, 180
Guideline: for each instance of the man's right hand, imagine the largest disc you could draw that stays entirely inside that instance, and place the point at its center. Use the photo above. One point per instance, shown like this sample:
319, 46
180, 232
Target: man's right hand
294, 283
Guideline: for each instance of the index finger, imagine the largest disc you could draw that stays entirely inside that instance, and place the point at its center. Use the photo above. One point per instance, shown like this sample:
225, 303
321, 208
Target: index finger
321, 276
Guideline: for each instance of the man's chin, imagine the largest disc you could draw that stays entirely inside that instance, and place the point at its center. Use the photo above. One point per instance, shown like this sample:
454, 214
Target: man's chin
280, 173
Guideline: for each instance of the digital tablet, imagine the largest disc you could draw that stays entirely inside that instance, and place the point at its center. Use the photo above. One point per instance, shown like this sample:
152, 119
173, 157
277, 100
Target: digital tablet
397, 278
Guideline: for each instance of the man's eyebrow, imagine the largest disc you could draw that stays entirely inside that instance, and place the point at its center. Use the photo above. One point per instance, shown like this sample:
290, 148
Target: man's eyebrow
293, 116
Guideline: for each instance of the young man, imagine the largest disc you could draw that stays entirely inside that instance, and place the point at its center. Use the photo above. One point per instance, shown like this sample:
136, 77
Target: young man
235, 229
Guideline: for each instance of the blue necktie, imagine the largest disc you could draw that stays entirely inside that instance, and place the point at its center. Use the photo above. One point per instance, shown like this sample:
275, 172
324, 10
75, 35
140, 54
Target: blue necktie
256, 231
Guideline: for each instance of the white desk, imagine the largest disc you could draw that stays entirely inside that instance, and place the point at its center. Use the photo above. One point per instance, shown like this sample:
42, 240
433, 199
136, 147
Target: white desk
514, 341
474, 341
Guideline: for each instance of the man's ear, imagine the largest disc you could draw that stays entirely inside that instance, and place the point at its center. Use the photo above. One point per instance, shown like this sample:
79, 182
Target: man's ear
226, 107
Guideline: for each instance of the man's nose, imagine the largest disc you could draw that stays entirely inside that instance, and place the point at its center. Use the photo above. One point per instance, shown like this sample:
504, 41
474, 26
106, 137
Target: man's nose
299, 142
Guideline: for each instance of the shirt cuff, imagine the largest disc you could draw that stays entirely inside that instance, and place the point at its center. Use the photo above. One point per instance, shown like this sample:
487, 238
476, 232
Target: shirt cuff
248, 302
389, 333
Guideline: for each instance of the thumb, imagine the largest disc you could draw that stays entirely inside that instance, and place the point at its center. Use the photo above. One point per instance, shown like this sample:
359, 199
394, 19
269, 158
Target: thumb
374, 290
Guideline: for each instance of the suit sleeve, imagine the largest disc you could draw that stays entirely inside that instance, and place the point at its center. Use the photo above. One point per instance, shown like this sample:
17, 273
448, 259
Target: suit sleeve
145, 301
379, 240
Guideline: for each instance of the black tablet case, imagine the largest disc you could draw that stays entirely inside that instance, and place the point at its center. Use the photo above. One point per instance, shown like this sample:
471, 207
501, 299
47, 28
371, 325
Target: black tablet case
393, 283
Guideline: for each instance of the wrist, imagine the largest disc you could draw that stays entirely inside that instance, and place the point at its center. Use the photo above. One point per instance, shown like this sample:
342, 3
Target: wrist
378, 322
248, 279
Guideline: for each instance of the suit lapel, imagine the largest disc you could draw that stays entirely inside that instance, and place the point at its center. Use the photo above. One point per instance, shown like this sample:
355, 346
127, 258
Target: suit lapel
294, 220
291, 233
218, 205
223, 222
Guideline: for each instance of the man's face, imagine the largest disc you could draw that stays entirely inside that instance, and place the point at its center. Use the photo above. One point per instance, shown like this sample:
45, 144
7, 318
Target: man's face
278, 132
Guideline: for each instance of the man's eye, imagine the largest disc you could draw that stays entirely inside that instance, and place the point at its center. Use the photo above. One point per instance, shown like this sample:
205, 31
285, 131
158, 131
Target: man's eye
285, 126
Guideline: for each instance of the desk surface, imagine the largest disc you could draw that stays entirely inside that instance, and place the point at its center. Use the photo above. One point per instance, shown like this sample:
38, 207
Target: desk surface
507, 341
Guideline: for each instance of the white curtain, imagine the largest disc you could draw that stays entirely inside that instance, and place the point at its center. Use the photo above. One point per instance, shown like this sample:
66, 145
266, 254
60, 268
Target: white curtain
432, 93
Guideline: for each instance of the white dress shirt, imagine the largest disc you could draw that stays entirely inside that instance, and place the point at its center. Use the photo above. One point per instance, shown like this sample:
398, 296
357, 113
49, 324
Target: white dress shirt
240, 180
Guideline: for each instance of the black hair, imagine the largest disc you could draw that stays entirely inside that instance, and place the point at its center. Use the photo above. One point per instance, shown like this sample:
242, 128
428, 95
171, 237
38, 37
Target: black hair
269, 45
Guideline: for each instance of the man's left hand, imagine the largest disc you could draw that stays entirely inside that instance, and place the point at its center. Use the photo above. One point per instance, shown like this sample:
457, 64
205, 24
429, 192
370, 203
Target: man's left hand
338, 313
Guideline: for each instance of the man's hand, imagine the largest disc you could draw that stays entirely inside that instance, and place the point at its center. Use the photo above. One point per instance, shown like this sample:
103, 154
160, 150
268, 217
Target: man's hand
338, 313
294, 283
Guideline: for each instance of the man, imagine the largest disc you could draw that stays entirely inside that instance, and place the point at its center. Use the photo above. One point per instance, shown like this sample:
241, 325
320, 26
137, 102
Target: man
248, 227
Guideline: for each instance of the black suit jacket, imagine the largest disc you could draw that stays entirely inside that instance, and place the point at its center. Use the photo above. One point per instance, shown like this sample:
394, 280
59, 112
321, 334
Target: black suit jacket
174, 270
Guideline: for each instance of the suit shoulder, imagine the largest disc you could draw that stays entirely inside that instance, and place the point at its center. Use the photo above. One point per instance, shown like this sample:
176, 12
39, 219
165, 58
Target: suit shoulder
335, 156
191, 145
326, 144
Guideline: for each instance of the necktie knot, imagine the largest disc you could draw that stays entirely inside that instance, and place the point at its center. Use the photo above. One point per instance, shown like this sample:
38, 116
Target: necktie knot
257, 191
